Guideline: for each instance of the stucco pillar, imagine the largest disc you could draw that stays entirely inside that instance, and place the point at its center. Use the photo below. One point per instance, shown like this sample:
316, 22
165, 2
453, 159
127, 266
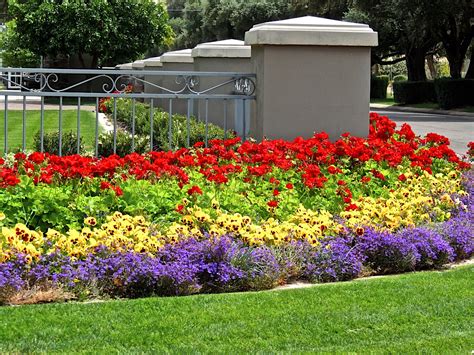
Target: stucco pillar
313, 74
153, 64
229, 55
177, 61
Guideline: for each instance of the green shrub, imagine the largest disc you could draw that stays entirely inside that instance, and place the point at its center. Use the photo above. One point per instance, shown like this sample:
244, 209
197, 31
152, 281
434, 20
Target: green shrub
123, 144
161, 126
413, 92
400, 78
378, 87
51, 143
454, 92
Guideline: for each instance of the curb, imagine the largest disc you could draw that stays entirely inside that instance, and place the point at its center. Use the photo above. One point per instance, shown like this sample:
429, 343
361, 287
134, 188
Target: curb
421, 110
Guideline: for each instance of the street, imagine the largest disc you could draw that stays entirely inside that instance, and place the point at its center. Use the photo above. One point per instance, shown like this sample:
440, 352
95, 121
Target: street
459, 129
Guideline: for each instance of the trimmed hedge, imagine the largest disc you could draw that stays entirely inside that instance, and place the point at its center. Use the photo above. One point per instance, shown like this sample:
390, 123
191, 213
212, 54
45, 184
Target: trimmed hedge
378, 87
400, 78
51, 143
413, 92
454, 92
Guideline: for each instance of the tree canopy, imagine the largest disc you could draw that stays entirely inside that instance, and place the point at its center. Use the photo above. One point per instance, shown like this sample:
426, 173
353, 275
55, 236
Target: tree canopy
408, 30
107, 32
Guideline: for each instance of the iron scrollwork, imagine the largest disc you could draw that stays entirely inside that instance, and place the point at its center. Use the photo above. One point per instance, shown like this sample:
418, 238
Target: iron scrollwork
190, 84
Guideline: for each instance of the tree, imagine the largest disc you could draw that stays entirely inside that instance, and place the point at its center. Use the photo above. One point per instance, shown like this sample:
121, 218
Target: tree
470, 70
453, 25
333, 9
110, 32
12, 54
403, 29
211, 20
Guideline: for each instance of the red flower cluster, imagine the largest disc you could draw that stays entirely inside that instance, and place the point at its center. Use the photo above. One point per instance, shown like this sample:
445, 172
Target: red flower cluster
313, 159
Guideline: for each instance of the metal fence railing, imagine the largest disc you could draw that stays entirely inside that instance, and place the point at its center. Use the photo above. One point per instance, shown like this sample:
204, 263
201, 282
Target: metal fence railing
206, 97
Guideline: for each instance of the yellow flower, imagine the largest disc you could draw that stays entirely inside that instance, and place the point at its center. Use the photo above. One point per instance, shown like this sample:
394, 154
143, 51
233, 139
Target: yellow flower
90, 221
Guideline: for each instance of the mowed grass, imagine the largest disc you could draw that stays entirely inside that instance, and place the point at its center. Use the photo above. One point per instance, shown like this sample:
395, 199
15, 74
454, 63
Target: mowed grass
429, 312
51, 124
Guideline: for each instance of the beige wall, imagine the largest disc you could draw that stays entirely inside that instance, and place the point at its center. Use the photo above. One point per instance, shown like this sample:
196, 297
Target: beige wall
169, 82
216, 107
303, 89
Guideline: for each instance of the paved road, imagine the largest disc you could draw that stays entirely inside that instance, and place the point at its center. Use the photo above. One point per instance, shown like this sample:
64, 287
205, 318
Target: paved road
459, 129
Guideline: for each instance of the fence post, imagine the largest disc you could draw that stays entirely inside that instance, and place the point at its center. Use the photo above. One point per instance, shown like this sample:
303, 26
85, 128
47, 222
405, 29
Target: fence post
313, 75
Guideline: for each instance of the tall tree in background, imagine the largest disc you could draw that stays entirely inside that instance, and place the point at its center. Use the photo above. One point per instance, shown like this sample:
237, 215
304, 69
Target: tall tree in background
109, 32
403, 29
452, 23
333, 9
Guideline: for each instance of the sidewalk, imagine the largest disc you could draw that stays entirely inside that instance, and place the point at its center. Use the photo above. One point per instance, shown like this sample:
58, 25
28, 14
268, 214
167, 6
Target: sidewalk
395, 108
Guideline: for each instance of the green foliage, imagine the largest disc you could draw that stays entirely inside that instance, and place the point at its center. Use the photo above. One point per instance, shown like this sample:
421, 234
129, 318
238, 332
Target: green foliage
109, 31
51, 143
212, 20
413, 92
13, 53
378, 87
123, 144
179, 128
454, 92
400, 78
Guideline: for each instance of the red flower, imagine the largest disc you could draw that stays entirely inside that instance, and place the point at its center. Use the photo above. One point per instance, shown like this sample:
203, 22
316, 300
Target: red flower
179, 208
402, 177
272, 203
194, 190
118, 191
276, 192
341, 182
104, 185
274, 181
365, 179
289, 186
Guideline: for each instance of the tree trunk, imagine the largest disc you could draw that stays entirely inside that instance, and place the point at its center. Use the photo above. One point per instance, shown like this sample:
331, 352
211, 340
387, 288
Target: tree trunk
416, 64
432, 67
455, 59
470, 70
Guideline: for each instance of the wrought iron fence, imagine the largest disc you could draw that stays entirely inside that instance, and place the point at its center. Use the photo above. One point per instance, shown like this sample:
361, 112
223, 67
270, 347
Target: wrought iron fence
190, 94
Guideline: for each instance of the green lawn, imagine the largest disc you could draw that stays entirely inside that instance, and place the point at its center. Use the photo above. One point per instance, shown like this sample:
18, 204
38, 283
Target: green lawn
430, 312
51, 124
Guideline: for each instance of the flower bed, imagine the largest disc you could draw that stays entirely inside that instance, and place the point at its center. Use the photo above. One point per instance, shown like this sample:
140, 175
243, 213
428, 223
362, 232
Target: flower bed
234, 216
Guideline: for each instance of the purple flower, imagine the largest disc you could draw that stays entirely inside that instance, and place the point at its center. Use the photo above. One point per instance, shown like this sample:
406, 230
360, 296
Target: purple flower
433, 250
334, 260
387, 253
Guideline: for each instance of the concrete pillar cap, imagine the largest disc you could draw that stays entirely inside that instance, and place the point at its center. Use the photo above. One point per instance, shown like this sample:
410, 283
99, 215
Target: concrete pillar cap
181, 56
229, 48
138, 64
312, 31
124, 66
153, 62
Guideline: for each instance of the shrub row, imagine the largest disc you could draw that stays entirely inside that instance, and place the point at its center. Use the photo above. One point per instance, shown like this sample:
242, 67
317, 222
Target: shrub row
413, 92
378, 87
161, 122
454, 92
448, 93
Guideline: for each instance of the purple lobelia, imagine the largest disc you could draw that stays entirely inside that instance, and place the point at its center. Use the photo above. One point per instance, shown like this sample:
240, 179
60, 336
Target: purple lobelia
387, 253
334, 260
459, 233
433, 250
